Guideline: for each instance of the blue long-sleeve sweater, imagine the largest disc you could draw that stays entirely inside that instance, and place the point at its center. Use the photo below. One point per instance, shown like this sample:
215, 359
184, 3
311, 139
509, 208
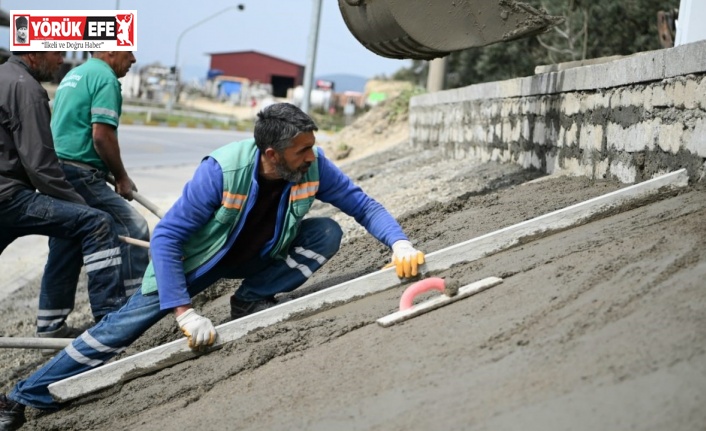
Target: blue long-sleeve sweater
201, 198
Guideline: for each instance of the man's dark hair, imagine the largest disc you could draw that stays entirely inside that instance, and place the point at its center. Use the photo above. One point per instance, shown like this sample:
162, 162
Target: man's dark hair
24, 52
278, 124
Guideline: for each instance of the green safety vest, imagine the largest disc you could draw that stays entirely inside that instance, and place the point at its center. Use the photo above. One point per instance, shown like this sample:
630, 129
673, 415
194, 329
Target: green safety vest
237, 161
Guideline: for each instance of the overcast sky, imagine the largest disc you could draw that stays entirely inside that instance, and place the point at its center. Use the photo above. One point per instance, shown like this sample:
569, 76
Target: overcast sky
276, 27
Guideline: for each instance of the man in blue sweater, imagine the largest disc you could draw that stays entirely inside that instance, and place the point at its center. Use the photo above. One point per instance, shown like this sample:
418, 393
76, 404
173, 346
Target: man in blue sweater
241, 216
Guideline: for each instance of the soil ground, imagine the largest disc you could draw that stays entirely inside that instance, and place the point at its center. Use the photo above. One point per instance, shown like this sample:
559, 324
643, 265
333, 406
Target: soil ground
602, 326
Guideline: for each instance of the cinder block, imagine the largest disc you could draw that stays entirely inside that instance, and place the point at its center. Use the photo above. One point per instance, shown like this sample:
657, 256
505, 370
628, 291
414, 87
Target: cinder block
615, 137
525, 128
701, 93
678, 93
506, 131
570, 105
572, 135
630, 96
696, 140
533, 106
535, 161
552, 163
539, 134
529, 159
691, 87
495, 109
461, 152
669, 137
561, 141
591, 137
623, 172
600, 169
571, 165
637, 137
552, 133
475, 133
454, 134
646, 97
636, 98
603, 100
613, 98
661, 96
543, 105
587, 102
625, 97
506, 108
490, 136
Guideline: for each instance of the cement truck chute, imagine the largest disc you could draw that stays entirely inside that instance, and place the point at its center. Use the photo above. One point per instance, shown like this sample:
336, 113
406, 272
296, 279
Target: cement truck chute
427, 29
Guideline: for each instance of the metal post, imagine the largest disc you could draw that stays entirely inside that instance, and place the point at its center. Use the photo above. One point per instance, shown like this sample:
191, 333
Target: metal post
174, 91
311, 55
437, 75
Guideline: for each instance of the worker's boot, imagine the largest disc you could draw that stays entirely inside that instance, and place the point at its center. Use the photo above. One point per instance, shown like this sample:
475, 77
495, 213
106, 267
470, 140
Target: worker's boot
12, 414
240, 308
64, 331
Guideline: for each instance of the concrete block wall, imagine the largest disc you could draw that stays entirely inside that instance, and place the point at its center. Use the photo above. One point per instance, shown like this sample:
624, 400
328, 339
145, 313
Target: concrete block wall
632, 119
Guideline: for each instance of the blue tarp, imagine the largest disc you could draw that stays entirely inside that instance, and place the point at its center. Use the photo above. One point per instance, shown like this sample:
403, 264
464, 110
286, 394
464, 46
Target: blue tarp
227, 88
212, 73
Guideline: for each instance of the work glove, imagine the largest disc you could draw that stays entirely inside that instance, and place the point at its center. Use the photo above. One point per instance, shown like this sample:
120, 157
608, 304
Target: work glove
406, 259
198, 329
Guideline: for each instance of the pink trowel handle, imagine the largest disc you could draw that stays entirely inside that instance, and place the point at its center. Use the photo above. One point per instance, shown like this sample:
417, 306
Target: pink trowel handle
432, 283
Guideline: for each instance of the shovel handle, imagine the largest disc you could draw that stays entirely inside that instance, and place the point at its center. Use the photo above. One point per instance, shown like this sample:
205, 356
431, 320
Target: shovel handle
34, 343
154, 209
133, 241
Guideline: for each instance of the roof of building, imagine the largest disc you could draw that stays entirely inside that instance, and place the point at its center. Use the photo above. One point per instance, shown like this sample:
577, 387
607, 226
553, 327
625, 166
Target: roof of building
255, 52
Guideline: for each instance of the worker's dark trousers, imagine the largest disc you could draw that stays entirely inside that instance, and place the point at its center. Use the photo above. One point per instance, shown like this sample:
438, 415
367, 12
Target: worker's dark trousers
119, 329
317, 241
30, 213
64, 263
93, 348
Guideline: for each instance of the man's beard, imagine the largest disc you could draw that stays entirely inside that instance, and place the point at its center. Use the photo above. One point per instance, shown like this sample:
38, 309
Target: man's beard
43, 71
287, 174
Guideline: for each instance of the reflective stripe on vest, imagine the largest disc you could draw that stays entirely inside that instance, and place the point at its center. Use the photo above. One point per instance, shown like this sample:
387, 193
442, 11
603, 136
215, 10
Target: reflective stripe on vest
232, 200
304, 191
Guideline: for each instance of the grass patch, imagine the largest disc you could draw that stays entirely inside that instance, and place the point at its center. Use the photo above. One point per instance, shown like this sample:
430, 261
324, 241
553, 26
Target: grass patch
183, 120
399, 106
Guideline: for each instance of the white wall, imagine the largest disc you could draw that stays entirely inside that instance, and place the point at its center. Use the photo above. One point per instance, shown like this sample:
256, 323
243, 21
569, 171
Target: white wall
691, 24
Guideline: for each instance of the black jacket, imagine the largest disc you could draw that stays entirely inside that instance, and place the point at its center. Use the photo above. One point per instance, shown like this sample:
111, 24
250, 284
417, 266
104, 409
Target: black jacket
27, 157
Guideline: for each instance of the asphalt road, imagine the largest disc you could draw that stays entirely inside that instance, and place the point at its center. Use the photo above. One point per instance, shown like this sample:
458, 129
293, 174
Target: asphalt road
150, 146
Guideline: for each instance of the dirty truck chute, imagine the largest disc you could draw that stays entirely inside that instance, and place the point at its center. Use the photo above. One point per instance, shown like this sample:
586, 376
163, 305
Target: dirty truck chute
427, 29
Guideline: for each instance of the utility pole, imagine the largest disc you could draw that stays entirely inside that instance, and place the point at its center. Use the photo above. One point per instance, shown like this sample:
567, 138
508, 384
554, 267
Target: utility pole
175, 87
437, 74
311, 55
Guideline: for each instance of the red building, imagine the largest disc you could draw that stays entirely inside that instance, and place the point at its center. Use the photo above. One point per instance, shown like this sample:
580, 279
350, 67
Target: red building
259, 67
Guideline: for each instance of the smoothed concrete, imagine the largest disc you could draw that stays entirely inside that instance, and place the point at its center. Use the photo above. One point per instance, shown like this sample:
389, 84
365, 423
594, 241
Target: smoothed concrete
485, 245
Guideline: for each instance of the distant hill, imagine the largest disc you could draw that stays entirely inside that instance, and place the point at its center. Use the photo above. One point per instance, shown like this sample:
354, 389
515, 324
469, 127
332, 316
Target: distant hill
344, 82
